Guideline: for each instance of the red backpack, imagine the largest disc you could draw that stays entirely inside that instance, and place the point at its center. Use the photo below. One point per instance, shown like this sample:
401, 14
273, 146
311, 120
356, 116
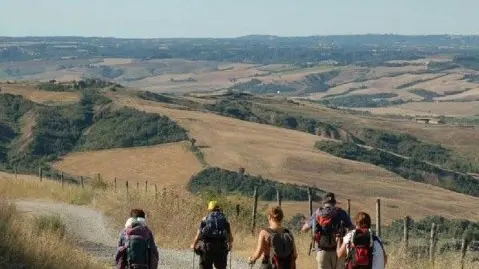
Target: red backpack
327, 228
360, 249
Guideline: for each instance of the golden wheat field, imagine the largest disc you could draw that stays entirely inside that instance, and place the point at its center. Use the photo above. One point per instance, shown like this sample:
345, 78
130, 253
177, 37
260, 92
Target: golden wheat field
288, 156
58, 75
225, 76
445, 84
452, 109
39, 96
169, 164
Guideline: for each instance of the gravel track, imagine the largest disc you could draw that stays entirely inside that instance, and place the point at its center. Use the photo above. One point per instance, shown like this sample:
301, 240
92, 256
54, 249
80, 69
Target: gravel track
97, 235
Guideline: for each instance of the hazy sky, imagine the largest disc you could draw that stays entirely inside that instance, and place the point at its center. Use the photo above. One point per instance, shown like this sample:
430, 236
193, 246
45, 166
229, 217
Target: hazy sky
229, 18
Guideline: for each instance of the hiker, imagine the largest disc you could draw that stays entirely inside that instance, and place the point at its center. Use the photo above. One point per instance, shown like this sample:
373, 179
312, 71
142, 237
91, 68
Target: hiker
329, 222
362, 249
276, 244
213, 240
136, 246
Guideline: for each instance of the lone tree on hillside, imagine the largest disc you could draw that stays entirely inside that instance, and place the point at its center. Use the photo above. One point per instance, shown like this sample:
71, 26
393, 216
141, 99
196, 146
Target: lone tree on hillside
241, 171
193, 142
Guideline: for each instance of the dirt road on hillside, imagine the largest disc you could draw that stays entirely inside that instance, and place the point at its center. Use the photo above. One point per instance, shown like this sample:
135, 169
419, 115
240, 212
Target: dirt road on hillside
97, 235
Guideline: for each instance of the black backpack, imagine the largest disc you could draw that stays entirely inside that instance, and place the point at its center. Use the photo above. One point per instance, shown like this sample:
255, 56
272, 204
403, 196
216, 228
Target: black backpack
215, 227
281, 249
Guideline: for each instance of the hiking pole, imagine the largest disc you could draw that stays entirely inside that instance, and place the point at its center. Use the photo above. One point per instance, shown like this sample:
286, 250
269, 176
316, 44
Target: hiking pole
193, 259
231, 254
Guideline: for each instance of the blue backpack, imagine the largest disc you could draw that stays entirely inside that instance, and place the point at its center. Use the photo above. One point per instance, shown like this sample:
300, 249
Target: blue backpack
215, 227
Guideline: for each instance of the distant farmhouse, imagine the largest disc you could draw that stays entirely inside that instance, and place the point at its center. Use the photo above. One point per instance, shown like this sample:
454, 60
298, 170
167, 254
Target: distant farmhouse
429, 120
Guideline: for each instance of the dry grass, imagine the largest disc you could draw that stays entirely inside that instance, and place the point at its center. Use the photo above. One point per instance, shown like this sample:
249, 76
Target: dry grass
449, 136
453, 109
288, 156
222, 78
115, 61
175, 207
37, 244
450, 82
438, 59
204, 81
40, 96
27, 186
398, 259
58, 75
388, 83
379, 82
170, 164
382, 71
472, 95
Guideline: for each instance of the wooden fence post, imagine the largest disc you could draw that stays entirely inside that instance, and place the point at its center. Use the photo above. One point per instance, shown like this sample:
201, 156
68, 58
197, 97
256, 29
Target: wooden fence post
432, 243
156, 192
146, 186
81, 182
255, 207
378, 217
126, 185
310, 201
349, 207
61, 178
406, 233
237, 210
137, 186
115, 184
40, 174
98, 177
464, 246
278, 197
15, 171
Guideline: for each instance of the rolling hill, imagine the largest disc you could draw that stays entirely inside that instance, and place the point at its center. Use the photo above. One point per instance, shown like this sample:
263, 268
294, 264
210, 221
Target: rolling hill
278, 153
263, 117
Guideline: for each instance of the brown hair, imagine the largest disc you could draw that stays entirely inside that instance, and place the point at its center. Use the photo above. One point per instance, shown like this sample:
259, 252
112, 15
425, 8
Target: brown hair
329, 198
363, 220
137, 213
276, 213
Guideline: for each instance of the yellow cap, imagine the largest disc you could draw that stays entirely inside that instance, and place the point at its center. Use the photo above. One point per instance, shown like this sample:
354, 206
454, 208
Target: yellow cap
212, 205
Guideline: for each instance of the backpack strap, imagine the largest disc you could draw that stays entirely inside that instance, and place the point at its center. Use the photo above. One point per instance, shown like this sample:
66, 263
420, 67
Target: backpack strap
271, 232
375, 238
371, 238
269, 256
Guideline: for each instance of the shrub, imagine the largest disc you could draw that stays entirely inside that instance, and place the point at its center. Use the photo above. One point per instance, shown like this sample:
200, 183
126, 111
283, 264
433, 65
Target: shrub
229, 182
50, 223
363, 100
128, 127
408, 168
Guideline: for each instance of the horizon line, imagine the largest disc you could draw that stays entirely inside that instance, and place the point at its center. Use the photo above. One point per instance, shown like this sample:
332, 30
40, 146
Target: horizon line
243, 36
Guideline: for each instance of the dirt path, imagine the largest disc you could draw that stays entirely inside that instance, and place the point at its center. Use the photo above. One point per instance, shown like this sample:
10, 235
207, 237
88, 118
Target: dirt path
97, 235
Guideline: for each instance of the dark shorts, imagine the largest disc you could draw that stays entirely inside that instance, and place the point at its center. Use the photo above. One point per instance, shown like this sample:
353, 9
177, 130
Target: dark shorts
216, 256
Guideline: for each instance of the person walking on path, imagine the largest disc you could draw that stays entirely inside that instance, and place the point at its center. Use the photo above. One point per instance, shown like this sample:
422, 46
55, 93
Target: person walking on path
361, 248
214, 240
328, 222
276, 244
136, 247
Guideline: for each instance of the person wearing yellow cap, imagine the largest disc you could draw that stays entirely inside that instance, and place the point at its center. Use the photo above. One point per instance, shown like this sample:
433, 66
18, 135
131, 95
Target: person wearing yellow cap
212, 205
213, 240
